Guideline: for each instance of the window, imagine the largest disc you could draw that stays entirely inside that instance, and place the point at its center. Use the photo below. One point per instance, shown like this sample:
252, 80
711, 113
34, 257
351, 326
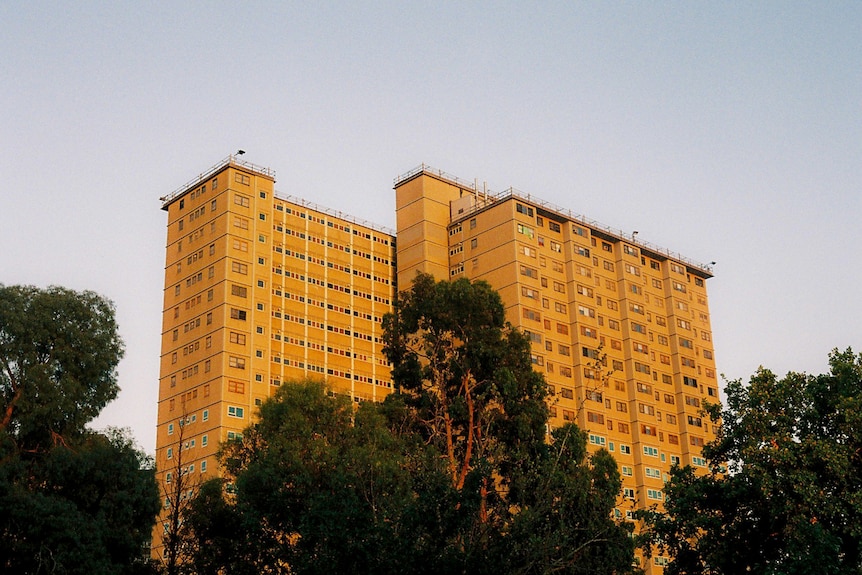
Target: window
646, 409
651, 451
531, 314
237, 314
642, 368
527, 231
170, 429
554, 226
521, 209
237, 362
238, 338
625, 449
654, 494
234, 411
204, 441
627, 471
206, 415
529, 292
598, 440
529, 272
628, 493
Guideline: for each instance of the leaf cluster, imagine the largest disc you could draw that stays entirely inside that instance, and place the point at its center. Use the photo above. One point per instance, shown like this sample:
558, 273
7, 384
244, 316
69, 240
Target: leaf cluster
453, 473
71, 500
59, 350
784, 492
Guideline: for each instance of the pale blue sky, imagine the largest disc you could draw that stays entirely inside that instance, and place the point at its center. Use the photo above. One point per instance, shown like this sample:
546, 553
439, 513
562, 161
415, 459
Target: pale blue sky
725, 131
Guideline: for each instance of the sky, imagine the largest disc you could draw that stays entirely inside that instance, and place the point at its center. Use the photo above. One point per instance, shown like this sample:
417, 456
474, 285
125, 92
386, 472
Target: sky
725, 131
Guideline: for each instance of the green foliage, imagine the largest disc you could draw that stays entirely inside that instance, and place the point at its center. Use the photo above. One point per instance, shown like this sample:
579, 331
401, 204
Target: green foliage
71, 500
563, 520
791, 499
466, 375
59, 350
451, 474
86, 508
322, 488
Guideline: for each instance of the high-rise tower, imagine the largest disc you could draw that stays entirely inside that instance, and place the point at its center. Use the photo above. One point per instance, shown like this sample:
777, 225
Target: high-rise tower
262, 288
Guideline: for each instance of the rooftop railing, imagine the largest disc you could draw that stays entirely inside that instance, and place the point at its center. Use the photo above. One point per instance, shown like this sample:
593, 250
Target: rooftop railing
204, 176
335, 213
490, 198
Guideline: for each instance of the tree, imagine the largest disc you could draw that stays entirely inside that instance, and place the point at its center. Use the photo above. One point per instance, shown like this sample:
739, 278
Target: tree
71, 500
784, 489
564, 522
466, 378
318, 487
58, 355
451, 474
178, 493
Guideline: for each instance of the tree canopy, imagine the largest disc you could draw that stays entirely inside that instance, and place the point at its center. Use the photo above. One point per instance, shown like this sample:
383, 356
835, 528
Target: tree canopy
59, 350
71, 500
453, 473
784, 492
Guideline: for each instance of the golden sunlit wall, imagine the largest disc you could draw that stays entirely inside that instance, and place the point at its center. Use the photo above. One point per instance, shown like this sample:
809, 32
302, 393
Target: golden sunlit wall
260, 289
620, 329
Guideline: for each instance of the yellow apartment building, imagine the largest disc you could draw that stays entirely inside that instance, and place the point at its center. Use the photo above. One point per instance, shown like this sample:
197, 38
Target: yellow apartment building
262, 288
620, 328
